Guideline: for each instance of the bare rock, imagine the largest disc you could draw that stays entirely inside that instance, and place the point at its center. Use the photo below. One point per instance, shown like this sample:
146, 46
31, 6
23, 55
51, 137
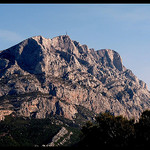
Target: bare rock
57, 141
41, 77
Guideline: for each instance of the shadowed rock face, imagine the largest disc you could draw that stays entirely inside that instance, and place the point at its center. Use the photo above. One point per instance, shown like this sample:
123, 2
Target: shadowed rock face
41, 77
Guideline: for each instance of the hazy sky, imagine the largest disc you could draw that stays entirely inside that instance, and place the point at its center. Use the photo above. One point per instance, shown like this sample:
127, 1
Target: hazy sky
124, 28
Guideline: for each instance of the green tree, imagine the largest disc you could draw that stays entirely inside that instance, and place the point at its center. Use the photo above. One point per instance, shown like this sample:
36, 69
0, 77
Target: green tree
143, 130
108, 131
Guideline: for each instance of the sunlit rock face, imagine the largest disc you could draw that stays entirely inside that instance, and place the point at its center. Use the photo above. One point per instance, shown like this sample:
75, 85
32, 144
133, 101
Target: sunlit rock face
41, 77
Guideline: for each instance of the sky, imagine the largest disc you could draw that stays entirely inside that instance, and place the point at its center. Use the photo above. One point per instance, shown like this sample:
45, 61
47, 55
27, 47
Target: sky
124, 28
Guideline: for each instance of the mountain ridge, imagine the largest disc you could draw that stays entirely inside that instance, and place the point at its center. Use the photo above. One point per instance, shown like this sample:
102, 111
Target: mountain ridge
62, 74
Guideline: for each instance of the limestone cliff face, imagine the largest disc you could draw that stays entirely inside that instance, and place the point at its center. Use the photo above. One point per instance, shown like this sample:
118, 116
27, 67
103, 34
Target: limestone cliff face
41, 77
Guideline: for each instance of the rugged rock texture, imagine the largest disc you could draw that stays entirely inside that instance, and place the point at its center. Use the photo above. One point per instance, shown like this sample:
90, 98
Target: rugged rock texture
40, 77
60, 138
4, 113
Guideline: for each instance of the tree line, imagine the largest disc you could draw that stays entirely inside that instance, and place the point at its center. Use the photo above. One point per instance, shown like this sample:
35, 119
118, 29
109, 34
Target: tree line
107, 131
116, 131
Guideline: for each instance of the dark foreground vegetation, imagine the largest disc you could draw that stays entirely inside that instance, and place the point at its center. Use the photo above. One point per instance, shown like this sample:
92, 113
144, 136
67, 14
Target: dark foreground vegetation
107, 131
111, 131
25, 132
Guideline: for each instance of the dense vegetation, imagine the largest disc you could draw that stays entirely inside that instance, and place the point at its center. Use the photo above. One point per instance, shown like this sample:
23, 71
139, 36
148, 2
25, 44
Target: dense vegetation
111, 131
26, 132
107, 131
22, 131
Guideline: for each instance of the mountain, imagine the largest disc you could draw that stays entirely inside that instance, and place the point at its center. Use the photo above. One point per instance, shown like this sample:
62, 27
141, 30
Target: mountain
42, 77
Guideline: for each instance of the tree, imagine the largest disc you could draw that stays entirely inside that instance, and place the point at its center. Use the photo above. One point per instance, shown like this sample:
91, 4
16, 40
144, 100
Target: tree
108, 131
143, 130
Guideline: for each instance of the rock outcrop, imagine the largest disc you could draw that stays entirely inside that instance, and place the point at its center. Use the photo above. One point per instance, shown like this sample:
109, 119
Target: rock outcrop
60, 138
40, 77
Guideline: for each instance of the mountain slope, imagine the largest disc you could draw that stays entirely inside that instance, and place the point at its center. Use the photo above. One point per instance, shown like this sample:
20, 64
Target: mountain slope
42, 77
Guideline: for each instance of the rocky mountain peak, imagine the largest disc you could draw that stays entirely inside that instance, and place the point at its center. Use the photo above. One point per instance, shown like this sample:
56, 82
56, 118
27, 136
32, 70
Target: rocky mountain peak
110, 58
40, 77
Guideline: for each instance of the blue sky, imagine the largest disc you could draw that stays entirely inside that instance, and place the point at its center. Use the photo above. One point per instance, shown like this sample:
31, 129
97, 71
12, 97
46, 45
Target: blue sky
124, 28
